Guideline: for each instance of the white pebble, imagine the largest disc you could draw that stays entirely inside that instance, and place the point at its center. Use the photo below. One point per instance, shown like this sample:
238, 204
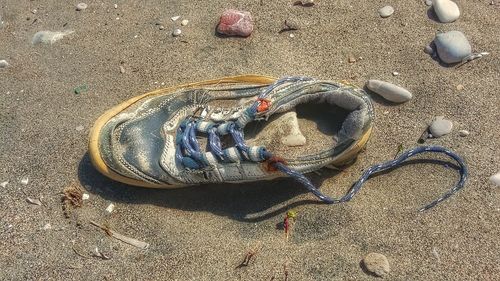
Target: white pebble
80, 128
428, 2
395, 73
292, 35
452, 46
184, 22
175, 18
49, 37
116, 6
377, 264
386, 11
85, 196
110, 208
389, 91
176, 32
25, 181
495, 179
463, 133
440, 127
81, 6
4, 64
446, 10
122, 69
4, 184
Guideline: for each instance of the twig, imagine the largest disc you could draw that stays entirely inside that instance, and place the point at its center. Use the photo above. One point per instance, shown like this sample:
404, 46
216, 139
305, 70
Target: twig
123, 238
250, 254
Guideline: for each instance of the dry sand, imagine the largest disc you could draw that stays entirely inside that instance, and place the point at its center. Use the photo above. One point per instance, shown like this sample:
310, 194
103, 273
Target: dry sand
204, 233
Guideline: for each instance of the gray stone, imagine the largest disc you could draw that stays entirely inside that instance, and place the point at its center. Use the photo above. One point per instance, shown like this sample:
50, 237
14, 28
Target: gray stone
4, 64
389, 91
176, 32
428, 2
386, 11
452, 46
446, 10
463, 133
440, 127
377, 264
495, 179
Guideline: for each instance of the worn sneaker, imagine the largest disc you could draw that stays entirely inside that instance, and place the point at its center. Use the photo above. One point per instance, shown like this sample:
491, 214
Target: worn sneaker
232, 130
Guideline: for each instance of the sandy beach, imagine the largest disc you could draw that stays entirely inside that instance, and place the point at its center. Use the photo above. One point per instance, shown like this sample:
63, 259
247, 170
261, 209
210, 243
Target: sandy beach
204, 233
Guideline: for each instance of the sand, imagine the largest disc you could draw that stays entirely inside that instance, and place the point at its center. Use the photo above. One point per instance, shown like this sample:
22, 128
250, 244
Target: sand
203, 233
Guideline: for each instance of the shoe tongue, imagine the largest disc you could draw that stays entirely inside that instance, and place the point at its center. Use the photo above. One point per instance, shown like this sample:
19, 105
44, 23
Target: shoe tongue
282, 127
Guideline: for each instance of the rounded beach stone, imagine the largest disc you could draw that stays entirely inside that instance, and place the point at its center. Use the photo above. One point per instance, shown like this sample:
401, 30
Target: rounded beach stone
235, 23
81, 6
495, 179
440, 127
377, 264
4, 64
428, 2
386, 11
389, 91
446, 10
176, 32
452, 46
463, 133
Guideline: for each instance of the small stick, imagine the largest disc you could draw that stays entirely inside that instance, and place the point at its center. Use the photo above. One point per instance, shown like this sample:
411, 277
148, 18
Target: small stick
123, 238
78, 253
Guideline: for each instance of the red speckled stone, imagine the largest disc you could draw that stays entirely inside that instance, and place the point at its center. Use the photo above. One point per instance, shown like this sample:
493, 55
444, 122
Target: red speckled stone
235, 23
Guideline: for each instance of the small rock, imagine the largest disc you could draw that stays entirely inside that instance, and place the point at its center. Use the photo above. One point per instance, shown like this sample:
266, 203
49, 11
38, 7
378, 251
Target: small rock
395, 73
184, 22
495, 179
446, 10
235, 23
110, 208
80, 128
4, 184
351, 59
161, 27
428, 2
34, 11
460, 87
304, 3
175, 18
440, 127
292, 35
122, 69
463, 133
85, 196
452, 46
176, 32
47, 226
116, 6
389, 91
81, 6
377, 264
4, 64
49, 37
386, 11
25, 181
34, 201
428, 50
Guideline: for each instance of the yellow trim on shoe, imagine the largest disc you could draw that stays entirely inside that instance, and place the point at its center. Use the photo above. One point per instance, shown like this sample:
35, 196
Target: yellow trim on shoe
95, 156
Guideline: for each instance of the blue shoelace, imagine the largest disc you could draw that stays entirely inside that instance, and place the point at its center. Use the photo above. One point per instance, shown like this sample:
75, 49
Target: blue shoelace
189, 154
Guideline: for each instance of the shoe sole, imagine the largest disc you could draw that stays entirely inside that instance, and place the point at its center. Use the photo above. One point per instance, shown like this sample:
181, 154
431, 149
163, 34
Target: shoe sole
100, 165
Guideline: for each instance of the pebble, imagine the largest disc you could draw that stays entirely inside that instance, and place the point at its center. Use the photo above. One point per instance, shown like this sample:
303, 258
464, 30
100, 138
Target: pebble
4, 64
386, 11
4, 184
25, 181
122, 69
440, 127
292, 35
495, 179
184, 22
175, 18
176, 32
304, 3
34, 201
446, 10
377, 264
460, 87
81, 6
463, 133
161, 27
116, 6
452, 46
85, 196
389, 91
428, 2
235, 23
49, 37
80, 128
47, 226
395, 73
